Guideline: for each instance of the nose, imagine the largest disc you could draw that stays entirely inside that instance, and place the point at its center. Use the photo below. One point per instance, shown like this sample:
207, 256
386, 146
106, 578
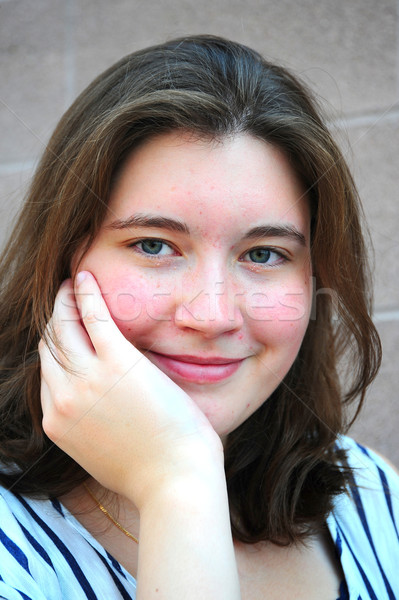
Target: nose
209, 303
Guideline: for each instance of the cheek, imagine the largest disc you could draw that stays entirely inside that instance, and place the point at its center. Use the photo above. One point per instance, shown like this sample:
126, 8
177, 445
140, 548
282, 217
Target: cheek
136, 303
281, 310
281, 322
125, 306
281, 338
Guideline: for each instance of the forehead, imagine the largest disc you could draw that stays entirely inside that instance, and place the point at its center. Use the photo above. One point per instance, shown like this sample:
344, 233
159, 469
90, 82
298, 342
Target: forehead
232, 180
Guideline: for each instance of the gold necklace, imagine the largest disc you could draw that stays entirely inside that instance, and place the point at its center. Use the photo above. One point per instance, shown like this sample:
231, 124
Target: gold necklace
110, 517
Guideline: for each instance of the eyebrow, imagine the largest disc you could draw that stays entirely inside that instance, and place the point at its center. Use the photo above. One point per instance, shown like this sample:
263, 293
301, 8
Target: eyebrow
157, 221
141, 220
284, 231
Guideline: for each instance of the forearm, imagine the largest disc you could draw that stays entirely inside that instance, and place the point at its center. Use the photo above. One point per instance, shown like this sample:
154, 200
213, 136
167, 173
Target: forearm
186, 548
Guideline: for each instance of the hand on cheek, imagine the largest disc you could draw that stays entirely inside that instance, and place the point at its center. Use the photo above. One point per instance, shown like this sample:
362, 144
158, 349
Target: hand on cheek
113, 411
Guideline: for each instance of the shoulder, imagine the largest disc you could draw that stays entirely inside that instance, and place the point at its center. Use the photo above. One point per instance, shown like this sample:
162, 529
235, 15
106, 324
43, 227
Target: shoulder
373, 490
369, 467
46, 553
24, 560
385, 461
365, 523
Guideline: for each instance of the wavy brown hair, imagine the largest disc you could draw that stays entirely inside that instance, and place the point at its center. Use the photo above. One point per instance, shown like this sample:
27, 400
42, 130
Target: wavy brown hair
282, 465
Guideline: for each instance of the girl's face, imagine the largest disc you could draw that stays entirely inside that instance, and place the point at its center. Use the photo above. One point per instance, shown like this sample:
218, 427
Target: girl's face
204, 263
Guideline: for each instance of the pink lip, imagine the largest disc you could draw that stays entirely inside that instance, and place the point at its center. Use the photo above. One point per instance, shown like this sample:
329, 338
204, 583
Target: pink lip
195, 369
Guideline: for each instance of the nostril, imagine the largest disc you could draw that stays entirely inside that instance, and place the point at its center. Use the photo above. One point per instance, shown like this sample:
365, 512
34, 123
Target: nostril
212, 314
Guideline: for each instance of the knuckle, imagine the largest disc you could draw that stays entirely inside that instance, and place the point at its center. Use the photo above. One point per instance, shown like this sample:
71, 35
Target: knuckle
64, 403
49, 427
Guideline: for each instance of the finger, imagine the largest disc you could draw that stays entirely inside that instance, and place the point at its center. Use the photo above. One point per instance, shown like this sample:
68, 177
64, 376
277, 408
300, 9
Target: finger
67, 325
51, 364
47, 406
45, 396
60, 398
55, 409
101, 328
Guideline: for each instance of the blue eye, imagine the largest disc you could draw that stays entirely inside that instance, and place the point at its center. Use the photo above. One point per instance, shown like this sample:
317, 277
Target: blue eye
265, 256
153, 247
260, 255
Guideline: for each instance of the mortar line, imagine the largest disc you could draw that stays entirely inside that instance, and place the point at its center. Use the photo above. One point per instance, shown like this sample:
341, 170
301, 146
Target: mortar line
383, 316
367, 118
17, 166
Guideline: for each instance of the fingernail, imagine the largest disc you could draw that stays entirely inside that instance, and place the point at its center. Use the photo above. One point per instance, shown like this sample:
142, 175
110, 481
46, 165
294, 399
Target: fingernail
80, 277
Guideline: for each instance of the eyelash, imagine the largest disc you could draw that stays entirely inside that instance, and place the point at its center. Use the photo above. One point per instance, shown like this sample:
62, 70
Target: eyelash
282, 258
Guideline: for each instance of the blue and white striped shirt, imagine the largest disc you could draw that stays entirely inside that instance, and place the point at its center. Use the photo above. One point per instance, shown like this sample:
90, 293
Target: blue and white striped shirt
365, 526
46, 554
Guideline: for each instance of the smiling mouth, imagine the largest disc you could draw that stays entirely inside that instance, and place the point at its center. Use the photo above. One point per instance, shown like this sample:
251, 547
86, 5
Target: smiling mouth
195, 369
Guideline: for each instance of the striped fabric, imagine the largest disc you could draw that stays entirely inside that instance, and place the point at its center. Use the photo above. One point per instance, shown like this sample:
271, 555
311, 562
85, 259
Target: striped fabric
365, 526
46, 554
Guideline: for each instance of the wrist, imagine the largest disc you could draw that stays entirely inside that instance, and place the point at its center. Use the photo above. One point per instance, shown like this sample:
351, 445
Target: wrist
187, 522
189, 466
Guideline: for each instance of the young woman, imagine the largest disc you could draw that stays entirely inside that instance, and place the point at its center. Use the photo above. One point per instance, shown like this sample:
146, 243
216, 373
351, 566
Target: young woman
186, 275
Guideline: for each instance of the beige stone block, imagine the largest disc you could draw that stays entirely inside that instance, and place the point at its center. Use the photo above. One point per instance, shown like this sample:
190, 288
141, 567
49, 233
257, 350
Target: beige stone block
13, 187
378, 423
345, 49
32, 45
375, 162
51, 49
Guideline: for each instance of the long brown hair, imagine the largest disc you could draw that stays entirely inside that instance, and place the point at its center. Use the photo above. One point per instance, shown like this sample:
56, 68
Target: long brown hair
281, 464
